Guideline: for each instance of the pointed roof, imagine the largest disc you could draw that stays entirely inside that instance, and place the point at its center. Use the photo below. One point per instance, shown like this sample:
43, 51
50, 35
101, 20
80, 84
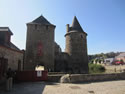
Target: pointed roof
75, 24
41, 20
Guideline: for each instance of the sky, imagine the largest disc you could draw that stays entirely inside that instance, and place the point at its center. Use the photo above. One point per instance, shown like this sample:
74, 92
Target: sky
102, 20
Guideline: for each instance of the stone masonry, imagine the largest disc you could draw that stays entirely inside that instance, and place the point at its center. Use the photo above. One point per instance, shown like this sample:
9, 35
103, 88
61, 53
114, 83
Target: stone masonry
40, 44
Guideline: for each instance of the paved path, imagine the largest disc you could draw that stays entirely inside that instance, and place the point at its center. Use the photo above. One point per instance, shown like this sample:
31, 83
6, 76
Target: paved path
108, 87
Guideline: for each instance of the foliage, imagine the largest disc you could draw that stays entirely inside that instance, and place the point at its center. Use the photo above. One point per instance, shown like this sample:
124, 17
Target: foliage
103, 55
122, 61
95, 68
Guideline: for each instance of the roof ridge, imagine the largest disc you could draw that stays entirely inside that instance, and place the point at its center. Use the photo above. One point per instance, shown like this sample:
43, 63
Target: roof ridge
41, 20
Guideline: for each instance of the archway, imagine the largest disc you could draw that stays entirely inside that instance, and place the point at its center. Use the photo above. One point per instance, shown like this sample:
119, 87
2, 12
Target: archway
39, 68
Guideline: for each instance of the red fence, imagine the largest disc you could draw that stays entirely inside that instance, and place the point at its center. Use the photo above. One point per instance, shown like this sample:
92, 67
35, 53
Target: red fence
31, 76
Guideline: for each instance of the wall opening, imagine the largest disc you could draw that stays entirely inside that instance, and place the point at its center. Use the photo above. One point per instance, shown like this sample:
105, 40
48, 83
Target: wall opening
81, 36
35, 26
39, 68
19, 65
47, 27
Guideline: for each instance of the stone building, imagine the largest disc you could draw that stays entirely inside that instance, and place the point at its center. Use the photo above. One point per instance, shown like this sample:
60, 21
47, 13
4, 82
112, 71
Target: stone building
41, 49
40, 44
10, 55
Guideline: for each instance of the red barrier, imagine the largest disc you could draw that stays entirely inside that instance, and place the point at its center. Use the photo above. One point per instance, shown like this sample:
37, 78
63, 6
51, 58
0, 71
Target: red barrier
31, 76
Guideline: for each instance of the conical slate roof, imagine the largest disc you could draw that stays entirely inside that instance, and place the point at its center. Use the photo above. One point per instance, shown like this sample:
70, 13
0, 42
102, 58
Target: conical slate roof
75, 24
41, 20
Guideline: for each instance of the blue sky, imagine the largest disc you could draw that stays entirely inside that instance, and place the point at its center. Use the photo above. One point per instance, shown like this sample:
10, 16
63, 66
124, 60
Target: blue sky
103, 20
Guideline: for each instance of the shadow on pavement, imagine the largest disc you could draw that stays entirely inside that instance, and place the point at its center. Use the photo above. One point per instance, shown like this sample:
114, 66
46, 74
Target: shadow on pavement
26, 88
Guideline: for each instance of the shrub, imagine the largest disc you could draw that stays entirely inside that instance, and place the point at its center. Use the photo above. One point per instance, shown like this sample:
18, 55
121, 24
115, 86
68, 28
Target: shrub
94, 68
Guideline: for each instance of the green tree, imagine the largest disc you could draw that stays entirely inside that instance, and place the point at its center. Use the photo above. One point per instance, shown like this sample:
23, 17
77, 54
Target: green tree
95, 68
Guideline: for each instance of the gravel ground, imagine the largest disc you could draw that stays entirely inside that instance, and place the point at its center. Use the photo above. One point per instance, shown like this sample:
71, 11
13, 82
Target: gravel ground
108, 87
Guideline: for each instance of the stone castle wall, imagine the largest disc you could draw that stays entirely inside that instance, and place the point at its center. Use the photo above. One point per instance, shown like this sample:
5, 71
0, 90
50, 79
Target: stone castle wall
61, 62
39, 46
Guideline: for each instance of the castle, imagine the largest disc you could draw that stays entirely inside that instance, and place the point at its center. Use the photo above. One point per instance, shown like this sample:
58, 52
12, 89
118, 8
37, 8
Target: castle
41, 48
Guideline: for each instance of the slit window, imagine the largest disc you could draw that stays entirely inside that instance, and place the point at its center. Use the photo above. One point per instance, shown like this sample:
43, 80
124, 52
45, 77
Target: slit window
35, 26
81, 36
47, 27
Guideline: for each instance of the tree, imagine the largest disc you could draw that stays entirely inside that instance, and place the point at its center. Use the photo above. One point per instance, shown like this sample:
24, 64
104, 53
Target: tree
122, 62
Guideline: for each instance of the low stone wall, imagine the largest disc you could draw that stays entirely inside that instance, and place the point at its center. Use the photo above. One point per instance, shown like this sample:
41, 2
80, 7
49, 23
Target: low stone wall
96, 77
74, 78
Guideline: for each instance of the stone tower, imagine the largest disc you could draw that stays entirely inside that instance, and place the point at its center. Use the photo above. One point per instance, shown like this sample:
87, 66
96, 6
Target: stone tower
76, 47
40, 44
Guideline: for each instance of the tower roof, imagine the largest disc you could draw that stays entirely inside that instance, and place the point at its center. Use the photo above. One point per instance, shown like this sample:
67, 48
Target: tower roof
41, 20
75, 24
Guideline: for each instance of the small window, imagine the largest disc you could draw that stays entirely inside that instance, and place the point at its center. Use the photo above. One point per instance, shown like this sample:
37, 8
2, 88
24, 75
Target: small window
81, 36
35, 26
47, 27
19, 65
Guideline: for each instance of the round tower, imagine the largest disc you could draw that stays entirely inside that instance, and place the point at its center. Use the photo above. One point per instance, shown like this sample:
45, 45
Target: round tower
39, 44
76, 47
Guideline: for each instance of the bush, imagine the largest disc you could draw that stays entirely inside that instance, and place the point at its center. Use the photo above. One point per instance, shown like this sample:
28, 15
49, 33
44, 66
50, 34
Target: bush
94, 68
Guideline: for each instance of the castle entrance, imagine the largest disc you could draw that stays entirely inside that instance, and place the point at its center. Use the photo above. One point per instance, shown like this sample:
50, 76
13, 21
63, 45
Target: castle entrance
39, 68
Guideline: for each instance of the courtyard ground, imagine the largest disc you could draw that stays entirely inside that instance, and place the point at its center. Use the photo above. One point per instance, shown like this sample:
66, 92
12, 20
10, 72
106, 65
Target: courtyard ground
108, 87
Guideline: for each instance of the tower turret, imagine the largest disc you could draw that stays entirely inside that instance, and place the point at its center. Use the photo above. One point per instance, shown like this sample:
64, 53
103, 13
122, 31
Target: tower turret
76, 47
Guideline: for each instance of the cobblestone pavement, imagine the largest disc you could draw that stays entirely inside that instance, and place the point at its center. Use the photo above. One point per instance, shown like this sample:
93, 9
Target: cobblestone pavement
108, 87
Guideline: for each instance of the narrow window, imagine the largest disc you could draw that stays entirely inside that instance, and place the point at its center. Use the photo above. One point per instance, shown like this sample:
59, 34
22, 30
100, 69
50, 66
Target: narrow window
47, 27
81, 36
35, 26
19, 65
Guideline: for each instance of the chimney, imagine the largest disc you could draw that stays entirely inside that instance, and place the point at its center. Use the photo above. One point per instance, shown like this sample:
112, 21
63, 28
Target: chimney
67, 28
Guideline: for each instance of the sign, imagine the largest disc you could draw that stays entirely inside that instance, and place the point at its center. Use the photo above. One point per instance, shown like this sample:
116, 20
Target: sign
39, 73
